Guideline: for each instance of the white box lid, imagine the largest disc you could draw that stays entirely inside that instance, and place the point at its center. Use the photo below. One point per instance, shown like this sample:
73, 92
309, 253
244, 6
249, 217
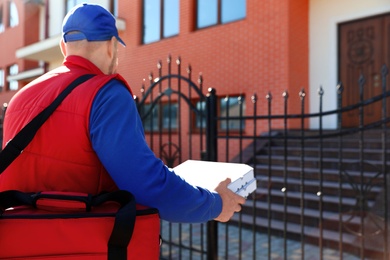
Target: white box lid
208, 175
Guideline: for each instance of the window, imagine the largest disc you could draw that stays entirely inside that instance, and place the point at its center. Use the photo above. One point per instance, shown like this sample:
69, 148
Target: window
200, 121
13, 70
1, 19
164, 118
2, 80
232, 107
13, 15
150, 122
114, 7
161, 19
71, 3
207, 13
213, 12
228, 107
169, 116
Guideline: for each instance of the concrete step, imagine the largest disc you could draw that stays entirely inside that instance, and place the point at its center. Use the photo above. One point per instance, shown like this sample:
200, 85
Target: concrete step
311, 200
312, 190
311, 162
345, 241
332, 152
332, 188
301, 215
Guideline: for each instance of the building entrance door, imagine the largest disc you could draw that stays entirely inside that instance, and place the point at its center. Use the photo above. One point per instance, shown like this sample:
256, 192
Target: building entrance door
364, 46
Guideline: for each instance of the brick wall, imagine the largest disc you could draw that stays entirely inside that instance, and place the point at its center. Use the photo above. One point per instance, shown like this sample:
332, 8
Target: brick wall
265, 52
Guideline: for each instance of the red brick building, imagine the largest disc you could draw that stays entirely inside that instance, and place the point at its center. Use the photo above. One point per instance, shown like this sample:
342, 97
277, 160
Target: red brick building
19, 27
266, 50
240, 47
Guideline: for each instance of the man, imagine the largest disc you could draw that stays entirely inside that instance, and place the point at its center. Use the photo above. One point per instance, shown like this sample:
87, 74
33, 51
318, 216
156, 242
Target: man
94, 141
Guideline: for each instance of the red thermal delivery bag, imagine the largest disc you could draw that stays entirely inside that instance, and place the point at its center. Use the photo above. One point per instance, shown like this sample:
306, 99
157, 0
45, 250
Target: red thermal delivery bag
62, 225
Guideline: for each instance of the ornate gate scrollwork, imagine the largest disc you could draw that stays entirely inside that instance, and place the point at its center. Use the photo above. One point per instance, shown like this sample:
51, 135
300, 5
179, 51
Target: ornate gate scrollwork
170, 152
361, 219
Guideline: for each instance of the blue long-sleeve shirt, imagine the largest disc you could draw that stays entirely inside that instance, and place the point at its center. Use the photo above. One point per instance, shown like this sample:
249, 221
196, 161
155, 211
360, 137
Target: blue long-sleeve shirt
117, 136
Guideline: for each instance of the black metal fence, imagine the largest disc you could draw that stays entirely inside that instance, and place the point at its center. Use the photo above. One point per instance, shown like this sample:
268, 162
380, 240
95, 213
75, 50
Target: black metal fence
321, 193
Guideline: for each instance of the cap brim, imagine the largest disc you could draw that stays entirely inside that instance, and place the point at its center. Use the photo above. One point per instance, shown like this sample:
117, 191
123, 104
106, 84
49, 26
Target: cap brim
121, 41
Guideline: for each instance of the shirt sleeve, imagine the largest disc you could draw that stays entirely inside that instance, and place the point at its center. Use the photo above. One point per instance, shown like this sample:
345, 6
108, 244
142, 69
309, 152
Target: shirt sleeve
117, 136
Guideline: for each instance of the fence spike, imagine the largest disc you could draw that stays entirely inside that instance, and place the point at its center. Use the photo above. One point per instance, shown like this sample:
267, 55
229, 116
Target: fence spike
302, 93
169, 59
211, 91
340, 88
285, 94
189, 69
159, 64
385, 70
239, 99
321, 91
143, 86
254, 98
269, 96
362, 80
200, 78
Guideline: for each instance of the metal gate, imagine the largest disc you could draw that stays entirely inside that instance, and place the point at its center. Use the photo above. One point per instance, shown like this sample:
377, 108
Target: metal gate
180, 121
322, 194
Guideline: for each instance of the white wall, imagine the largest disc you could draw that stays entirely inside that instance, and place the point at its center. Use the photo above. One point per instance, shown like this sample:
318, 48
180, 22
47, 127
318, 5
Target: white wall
324, 16
56, 15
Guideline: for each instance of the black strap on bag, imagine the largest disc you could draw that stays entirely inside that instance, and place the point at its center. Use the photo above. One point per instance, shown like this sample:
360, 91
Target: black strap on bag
125, 217
123, 225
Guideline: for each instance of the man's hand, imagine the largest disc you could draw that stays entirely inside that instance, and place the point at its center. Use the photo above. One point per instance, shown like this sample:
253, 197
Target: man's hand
231, 202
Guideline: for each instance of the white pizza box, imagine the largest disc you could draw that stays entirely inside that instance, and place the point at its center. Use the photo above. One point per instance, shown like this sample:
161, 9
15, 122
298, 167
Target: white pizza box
208, 175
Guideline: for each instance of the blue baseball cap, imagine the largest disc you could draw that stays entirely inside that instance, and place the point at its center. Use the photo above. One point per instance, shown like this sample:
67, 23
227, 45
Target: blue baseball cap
90, 22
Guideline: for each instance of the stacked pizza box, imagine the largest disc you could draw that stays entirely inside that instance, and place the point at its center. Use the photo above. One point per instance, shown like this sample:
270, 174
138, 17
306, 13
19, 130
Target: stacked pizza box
208, 175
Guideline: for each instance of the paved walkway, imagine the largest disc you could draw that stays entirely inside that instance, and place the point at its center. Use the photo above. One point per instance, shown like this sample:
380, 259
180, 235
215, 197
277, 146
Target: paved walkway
231, 249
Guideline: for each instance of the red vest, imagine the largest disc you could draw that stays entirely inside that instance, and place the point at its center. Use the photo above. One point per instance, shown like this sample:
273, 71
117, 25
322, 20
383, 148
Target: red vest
60, 157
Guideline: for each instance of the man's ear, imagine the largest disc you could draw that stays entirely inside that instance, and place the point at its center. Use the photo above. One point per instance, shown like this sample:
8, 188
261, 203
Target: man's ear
63, 47
111, 47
